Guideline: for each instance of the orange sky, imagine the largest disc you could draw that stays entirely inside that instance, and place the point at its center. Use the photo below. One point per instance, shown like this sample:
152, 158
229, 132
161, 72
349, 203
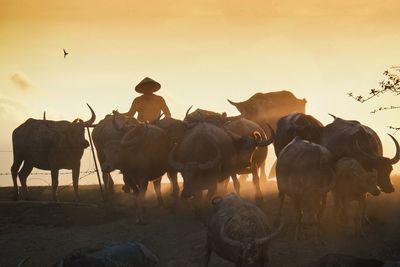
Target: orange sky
201, 52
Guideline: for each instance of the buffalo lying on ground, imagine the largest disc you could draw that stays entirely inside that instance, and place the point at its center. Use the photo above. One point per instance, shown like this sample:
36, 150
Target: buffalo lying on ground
132, 254
304, 172
48, 145
238, 231
347, 138
353, 182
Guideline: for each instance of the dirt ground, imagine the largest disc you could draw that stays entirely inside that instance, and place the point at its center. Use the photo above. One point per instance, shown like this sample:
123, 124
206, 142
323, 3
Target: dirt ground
46, 232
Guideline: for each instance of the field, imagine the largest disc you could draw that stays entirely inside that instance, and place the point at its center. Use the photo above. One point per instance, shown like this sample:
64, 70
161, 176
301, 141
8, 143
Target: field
46, 232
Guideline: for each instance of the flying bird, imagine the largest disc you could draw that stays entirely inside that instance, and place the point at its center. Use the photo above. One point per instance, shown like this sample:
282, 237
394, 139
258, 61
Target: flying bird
65, 53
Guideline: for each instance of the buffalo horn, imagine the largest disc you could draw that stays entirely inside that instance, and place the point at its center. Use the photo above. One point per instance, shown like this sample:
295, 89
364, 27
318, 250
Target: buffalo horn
225, 238
396, 157
269, 140
265, 240
92, 118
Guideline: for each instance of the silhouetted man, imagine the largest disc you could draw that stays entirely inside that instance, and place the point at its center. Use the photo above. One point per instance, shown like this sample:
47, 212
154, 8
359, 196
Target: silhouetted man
148, 105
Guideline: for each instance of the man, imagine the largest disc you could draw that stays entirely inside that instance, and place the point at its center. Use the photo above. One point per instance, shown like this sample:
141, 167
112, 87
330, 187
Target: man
148, 105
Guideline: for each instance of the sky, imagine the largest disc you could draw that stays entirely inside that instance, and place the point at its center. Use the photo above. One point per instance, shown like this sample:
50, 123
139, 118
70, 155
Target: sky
202, 52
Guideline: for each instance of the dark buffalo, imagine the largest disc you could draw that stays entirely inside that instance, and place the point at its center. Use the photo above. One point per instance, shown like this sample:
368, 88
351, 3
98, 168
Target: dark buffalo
125, 254
305, 173
353, 182
238, 231
104, 132
143, 154
343, 260
268, 108
349, 138
244, 127
201, 115
209, 154
296, 124
48, 145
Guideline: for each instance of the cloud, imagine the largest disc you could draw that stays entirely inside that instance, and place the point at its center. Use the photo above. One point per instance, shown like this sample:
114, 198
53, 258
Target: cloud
22, 83
6, 104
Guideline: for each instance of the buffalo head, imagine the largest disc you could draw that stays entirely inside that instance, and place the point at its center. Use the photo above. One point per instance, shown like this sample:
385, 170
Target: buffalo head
251, 249
382, 164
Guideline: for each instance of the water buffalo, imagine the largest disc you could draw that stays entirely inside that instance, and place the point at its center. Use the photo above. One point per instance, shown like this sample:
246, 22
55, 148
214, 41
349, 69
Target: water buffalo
106, 131
344, 260
238, 231
244, 127
304, 172
143, 154
48, 145
124, 254
201, 115
353, 182
268, 108
209, 154
349, 138
296, 124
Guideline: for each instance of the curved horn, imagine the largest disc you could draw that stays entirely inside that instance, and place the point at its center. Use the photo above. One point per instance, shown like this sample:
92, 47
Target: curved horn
92, 119
44, 115
333, 116
225, 238
172, 162
270, 140
187, 112
265, 240
233, 103
396, 157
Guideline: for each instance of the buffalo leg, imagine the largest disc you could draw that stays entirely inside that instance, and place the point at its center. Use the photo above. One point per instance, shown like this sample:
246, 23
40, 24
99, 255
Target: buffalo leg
108, 183
211, 192
157, 189
208, 253
140, 209
263, 174
54, 184
281, 197
236, 183
299, 215
256, 182
14, 174
173, 178
75, 181
23, 176
323, 206
360, 215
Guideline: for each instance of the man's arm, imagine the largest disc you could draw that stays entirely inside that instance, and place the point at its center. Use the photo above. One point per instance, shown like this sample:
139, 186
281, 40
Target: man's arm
165, 108
132, 111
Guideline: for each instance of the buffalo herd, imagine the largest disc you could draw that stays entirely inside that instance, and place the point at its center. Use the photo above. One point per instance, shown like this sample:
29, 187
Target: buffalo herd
207, 148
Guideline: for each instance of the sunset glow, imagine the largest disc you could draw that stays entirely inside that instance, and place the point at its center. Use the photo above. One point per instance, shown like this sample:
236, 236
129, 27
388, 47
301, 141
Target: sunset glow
202, 53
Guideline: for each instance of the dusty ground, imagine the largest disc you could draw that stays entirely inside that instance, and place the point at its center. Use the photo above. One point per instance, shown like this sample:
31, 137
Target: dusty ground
47, 231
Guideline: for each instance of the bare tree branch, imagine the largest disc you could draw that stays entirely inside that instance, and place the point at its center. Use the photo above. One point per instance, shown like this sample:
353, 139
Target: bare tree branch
389, 84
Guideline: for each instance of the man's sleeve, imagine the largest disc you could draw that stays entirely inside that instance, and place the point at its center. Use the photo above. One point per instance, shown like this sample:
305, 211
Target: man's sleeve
165, 108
